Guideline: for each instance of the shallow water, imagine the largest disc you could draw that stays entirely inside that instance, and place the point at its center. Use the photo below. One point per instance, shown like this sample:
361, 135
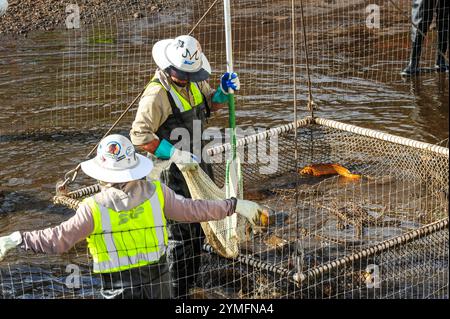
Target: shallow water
60, 90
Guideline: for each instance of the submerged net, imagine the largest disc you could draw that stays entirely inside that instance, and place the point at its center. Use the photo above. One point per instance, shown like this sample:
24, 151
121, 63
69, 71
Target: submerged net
383, 235
383, 218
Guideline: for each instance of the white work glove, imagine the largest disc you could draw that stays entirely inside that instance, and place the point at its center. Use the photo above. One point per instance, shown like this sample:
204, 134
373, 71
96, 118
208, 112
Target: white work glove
9, 242
252, 211
185, 161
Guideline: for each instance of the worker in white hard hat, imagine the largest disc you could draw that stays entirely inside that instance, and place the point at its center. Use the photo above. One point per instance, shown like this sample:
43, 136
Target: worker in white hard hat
125, 224
178, 96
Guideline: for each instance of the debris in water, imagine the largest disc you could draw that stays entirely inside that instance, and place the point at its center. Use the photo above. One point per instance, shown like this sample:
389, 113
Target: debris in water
275, 242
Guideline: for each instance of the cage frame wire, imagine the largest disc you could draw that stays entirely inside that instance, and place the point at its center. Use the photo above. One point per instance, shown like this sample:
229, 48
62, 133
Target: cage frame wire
72, 200
371, 250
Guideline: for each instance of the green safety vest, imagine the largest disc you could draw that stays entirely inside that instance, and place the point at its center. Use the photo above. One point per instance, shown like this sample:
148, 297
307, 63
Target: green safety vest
128, 239
181, 103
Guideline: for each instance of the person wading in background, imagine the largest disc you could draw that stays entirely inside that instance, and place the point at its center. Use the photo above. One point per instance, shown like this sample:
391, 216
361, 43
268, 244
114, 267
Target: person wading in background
178, 97
422, 16
125, 224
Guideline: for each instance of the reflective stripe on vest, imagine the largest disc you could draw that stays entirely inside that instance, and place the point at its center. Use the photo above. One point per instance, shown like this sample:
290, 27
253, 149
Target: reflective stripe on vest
128, 239
181, 103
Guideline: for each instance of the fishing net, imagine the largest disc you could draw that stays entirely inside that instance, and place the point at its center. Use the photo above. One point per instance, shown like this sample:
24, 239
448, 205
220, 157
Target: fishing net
313, 248
382, 235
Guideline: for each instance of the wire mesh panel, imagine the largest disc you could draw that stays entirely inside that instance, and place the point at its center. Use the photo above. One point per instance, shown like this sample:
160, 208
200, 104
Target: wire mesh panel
103, 65
321, 220
72, 275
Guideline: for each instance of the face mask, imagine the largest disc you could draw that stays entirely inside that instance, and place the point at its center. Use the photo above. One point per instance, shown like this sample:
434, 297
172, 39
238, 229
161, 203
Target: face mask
180, 75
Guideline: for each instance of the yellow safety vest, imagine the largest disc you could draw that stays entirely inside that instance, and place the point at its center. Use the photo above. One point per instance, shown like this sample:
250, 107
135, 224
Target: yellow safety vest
181, 103
128, 239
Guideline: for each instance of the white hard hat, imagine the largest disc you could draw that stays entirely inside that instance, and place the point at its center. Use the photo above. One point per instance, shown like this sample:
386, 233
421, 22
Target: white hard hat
117, 161
183, 53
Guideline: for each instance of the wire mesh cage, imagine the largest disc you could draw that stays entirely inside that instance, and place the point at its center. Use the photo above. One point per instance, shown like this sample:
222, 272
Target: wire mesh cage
323, 221
381, 235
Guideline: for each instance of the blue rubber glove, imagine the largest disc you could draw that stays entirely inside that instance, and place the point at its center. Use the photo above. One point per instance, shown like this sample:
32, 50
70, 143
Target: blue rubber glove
165, 150
226, 82
221, 95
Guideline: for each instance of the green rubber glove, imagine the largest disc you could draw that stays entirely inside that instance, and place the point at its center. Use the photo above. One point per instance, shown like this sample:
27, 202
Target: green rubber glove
164, 150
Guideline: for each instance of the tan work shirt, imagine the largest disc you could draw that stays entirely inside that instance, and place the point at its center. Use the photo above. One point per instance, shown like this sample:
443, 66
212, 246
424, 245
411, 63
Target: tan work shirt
154, 108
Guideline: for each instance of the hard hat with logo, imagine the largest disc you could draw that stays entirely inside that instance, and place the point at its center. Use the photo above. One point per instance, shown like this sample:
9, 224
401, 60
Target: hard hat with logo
117, 161
182, 57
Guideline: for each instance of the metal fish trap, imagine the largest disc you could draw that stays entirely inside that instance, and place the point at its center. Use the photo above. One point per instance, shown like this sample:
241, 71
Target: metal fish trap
383, 235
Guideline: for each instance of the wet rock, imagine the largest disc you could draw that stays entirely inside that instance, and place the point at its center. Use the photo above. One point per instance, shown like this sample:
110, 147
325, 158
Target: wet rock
18, 182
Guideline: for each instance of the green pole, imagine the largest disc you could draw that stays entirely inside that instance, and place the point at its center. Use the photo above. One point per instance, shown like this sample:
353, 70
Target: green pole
232, 123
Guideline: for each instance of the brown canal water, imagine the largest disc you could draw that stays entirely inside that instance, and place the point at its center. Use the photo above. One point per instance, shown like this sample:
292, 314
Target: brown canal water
60, 90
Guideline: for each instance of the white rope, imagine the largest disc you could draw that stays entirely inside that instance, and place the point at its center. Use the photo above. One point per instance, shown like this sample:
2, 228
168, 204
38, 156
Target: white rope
383, 136
260, 136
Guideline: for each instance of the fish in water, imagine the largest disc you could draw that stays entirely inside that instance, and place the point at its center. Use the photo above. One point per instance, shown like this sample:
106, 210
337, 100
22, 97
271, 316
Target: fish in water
328, 169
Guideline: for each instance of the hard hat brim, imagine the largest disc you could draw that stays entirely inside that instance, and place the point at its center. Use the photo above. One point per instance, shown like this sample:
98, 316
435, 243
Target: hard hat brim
94, 170
159, 55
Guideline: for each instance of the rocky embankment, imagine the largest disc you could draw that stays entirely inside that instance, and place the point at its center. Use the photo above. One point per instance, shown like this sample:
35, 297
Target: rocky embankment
23, 16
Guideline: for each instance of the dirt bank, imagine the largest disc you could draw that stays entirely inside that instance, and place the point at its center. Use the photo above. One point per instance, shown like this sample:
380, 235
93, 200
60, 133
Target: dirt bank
23, 16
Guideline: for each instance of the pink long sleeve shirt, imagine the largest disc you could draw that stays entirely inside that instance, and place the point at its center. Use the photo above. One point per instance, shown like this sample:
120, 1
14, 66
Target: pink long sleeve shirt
59, 239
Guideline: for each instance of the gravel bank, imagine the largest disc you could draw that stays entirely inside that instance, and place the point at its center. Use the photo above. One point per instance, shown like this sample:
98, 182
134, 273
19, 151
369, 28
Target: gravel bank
23, 16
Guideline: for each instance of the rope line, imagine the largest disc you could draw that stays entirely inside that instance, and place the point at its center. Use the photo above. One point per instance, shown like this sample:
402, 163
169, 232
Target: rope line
203, 17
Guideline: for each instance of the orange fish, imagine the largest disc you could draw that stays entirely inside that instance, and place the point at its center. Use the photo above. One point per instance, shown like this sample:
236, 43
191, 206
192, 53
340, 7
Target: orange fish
328, 169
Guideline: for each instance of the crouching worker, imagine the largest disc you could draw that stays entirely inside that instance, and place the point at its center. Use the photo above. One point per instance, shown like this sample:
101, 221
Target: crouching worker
125, 223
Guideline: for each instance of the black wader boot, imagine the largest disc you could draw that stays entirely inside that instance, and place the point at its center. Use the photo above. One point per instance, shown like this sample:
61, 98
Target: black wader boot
185, 241
421, 16
442, 21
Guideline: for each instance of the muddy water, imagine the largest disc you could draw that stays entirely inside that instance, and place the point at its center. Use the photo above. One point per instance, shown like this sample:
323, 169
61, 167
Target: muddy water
70, 85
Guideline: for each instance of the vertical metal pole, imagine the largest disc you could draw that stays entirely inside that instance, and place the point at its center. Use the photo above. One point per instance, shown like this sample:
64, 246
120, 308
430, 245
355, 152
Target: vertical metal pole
229, 54
294, 78
233, 178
